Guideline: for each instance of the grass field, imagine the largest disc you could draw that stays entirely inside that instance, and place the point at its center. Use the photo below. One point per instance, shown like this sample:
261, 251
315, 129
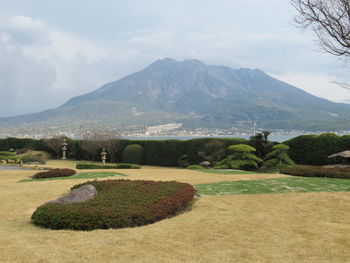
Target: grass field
276, 185
280, 227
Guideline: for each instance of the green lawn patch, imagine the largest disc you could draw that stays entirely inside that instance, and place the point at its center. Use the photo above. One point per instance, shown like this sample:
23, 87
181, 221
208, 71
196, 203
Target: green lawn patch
79, 176
275, 185
218, 171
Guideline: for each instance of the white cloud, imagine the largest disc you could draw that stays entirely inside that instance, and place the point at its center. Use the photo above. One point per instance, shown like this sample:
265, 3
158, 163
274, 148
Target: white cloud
318, 84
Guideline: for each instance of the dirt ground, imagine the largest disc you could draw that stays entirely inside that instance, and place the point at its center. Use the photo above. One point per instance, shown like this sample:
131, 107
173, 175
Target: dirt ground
293, 227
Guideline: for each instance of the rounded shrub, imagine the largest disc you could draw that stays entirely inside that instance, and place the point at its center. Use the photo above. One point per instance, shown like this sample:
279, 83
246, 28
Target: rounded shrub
240, 157
133, 153
277, 159
54, 173
118, 204
240, 148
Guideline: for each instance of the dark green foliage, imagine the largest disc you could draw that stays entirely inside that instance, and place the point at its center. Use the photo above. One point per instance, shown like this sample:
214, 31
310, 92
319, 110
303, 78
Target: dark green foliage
133, 153
315, 149
156, 152
240, 157
242, 148
7, 155
194, 167
213, 151
29, 157
277, 159
54, 173
261, 143
107, 166
317, 171
183, 161
119, 204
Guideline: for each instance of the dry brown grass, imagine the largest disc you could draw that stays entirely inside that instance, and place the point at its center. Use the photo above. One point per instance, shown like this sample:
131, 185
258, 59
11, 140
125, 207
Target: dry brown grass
313, 227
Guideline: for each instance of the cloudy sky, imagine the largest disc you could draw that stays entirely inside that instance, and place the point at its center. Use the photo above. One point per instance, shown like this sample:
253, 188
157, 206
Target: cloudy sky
53, 50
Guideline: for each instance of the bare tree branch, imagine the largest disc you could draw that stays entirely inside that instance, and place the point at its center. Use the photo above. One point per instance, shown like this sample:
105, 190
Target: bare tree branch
330, 20
55, 144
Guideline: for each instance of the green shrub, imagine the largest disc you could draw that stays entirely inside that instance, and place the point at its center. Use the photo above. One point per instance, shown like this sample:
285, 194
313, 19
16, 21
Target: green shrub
107, 166
278, 158
194, 167
261, 143
317, 171
5, 153
241, 157
240, 148
119, 204
27, 158
54, 173
133, 153
156, 152
184, 161
213, 151
315, 149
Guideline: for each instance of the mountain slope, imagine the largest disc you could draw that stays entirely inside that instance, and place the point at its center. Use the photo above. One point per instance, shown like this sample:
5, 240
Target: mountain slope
198, 96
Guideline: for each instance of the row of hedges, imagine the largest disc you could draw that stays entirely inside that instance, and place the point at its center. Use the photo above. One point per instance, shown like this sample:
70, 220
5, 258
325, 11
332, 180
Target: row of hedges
316, 171
107, 166
315, 149
305, 149
119, 204
155, 152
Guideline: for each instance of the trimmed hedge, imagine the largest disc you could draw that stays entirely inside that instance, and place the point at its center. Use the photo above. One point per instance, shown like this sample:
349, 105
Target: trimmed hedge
315, 149
119, 204
156, 152
133, 153
54, 173
317, 171
107, 166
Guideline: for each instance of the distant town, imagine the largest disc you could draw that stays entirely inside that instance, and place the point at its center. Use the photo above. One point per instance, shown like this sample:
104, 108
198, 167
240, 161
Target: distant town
165, 131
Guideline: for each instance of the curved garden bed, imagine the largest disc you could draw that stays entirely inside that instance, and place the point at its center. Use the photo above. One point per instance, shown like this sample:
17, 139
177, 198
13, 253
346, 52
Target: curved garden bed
119, 204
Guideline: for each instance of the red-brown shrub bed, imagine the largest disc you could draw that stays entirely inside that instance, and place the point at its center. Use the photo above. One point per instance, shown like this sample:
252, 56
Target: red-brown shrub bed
317, 171
54, 173
119, 204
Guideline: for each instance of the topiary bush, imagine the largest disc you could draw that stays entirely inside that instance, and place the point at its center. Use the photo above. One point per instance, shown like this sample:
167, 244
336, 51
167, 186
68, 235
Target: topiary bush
119, 204
54, 173
277, 159
240, 157
107, 166
317, 171
133, 153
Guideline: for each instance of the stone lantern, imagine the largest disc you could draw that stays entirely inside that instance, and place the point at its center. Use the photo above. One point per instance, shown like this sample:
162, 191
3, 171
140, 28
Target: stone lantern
64, 149
103, 156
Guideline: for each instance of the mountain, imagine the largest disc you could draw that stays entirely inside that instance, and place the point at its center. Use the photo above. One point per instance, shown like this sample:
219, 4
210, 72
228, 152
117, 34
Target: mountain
196, 95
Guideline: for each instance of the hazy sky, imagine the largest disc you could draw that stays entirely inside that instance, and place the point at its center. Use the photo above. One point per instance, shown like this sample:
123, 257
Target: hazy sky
53, 50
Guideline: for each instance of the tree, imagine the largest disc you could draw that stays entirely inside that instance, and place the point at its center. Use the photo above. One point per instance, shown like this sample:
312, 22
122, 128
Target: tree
110, 141
213, 151
261, 143
90, 143
330, 20
240, 156
278, 158
55, 144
